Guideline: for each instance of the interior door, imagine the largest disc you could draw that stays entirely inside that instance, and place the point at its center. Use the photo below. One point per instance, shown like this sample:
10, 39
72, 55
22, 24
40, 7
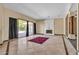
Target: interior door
72, 25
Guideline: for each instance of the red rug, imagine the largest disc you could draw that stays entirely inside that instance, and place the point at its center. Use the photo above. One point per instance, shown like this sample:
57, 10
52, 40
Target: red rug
39, 40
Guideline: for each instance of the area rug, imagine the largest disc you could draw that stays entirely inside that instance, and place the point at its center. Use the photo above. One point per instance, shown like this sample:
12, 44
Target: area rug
39, 40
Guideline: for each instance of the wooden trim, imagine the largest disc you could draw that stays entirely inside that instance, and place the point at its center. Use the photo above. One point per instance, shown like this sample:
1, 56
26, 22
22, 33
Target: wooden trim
7, 50
1, 44
4, 42
59, 34
65, 46
72, 25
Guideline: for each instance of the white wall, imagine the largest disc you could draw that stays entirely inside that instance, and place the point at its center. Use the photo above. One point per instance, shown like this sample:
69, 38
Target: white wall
4, 21
43, 25
49, 25
59, 26
40, 26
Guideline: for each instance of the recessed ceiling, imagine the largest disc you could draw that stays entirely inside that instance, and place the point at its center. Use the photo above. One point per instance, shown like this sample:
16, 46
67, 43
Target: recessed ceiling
40, 10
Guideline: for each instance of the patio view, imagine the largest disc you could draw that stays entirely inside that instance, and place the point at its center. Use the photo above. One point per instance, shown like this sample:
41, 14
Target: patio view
22, 28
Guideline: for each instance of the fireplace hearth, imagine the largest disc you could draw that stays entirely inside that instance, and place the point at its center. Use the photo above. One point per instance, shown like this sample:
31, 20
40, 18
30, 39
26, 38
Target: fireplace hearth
49, 31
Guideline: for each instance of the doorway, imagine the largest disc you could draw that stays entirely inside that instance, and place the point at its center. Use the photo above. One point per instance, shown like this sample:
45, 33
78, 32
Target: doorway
73, 31
13, 29
22, 26
73, 25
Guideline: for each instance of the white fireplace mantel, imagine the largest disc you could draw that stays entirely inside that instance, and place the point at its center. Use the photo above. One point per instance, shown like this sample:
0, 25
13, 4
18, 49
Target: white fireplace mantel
49, 25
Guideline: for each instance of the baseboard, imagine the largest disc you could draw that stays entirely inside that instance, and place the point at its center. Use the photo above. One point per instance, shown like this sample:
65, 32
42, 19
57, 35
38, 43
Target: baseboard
40, 33
1, 44
59, 34
71, 36
66, 37
4, 42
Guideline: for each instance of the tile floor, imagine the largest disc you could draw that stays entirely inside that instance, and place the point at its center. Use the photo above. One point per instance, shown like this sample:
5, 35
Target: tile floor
53, 46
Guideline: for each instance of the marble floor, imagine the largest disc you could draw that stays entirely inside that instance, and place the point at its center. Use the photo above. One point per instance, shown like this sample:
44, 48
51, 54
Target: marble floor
73, 42
53, 46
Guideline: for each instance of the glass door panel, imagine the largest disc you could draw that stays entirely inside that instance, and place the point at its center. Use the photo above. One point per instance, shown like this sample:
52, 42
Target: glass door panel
31, 28
22, 26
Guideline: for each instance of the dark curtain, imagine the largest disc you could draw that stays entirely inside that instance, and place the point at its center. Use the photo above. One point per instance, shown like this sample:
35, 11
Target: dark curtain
13, 29
27, 30
34, 28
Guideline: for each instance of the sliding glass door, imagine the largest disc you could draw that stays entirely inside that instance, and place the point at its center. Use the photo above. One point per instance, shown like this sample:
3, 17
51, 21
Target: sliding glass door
22, 26
26, 28
31, 28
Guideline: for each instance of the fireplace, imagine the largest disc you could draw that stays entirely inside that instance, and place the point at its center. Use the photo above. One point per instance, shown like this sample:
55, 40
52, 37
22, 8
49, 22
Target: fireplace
48, 31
